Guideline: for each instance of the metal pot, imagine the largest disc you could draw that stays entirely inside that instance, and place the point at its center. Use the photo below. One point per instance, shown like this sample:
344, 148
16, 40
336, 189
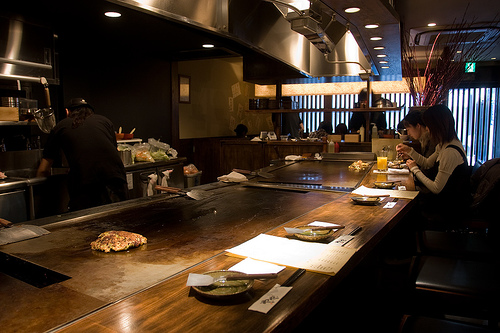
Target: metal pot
126, 156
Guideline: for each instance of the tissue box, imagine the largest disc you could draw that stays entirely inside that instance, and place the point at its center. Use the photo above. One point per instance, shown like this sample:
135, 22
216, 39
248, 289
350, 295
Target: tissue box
351, 138
9, 113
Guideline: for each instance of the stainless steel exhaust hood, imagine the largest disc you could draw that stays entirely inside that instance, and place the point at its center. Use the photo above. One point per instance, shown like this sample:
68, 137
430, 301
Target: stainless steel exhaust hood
26, 51
318, 42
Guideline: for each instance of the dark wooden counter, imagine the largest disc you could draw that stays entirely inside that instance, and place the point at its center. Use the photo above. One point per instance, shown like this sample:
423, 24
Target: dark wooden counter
144, 289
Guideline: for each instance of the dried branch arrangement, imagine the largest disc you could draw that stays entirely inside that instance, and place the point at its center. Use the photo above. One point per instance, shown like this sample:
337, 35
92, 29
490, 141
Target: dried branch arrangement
445, 64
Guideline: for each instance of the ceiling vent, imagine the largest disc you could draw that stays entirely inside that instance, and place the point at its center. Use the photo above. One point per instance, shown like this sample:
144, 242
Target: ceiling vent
423, 37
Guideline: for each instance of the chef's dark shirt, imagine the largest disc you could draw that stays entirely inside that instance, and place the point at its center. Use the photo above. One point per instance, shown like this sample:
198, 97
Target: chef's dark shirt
90, 150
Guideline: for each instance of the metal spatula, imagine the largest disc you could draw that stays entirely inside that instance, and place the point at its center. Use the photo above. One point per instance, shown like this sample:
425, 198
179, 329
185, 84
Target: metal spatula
194, 194
254, 173
201, 280
11, 233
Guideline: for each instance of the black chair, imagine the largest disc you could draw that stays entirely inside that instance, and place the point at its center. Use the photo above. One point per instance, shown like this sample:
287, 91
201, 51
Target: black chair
458, 273
479, 237
460, 245
465, 288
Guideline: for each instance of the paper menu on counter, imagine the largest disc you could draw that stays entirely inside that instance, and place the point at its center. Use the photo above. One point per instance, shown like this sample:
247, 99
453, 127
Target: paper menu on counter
322, 258
250, 266
363, 190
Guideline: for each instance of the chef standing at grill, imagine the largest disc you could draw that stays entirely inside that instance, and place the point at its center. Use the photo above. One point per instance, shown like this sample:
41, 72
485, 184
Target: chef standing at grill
97, 174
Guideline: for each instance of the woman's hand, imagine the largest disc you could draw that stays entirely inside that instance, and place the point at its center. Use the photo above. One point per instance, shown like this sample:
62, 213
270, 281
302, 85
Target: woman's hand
410, 164
403, 150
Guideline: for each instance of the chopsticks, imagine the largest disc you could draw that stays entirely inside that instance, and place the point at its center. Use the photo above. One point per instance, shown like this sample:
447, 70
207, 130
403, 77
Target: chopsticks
298, 273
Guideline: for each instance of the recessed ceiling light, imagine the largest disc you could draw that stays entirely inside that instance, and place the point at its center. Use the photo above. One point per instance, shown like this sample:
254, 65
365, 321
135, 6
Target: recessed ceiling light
383, 62
493, 58
381, 55
208, 46
351, 10
432, 24
376, 38
371, 26
459, 51
113, 14
379, 48
384, 67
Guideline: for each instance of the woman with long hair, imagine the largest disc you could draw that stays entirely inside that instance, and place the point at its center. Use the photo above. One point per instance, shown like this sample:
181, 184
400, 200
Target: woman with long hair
416, 128
445, 194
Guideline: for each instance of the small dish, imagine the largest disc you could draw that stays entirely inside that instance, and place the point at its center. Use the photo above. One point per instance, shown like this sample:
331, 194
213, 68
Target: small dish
314, 235
224, 289
385, 185
366, 200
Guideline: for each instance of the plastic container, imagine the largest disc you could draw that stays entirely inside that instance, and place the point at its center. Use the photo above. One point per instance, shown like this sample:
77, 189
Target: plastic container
193, 179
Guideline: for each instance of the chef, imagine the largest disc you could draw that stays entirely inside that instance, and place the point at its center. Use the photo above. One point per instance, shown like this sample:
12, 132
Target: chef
97, 174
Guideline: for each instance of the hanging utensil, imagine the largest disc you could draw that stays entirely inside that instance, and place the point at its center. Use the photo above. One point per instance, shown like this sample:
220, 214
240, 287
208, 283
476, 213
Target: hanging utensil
45, 117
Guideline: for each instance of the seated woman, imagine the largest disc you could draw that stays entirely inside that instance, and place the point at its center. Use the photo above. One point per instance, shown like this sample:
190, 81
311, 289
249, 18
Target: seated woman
417, 130
449, 190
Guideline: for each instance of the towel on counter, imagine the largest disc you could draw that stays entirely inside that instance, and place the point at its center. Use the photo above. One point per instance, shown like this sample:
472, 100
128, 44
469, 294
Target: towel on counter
363, 190
233, 177
392, 171
293, 158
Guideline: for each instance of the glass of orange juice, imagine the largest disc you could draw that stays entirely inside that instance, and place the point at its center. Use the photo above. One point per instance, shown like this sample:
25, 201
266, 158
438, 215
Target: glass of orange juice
382, 160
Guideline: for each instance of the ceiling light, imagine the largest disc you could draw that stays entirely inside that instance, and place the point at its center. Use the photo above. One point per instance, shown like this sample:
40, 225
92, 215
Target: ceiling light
493, 58
381, 55
376, 38
432, 24
351, 10
371, 26
299, 4
112, 14
459, 51
384, 67
383, 62
208, 46
379, 48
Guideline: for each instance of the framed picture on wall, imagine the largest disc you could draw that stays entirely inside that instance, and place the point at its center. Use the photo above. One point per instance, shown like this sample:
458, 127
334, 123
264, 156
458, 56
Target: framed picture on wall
184, 89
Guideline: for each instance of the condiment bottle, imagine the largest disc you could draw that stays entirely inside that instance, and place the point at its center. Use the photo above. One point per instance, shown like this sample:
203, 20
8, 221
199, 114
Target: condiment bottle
362, 133
331, 147
374, 131
337, 147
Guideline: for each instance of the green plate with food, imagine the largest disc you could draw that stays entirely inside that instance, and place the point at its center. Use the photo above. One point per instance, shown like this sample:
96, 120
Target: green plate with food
313, 235
224, 288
